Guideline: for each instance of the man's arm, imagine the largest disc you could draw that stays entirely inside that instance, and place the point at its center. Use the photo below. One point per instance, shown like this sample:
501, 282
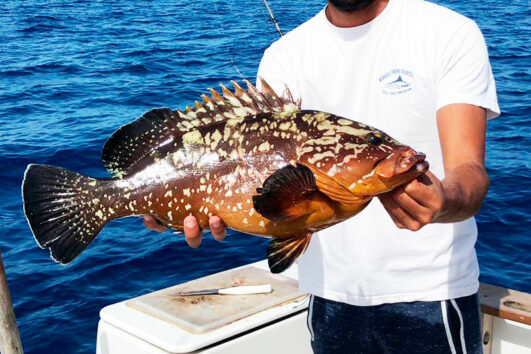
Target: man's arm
459, 195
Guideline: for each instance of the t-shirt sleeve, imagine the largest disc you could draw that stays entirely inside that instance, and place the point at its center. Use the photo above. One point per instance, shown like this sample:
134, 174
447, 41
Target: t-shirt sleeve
275, 69
464, 73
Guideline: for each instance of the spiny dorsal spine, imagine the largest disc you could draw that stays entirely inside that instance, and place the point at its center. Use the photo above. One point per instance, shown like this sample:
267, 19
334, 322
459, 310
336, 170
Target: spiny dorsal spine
238, 104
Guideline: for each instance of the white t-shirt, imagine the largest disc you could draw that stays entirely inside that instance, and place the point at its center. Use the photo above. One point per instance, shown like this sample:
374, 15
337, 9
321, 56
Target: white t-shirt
393, 73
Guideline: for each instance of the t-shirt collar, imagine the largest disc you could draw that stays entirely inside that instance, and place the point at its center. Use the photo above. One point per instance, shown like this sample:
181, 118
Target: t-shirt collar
358, 31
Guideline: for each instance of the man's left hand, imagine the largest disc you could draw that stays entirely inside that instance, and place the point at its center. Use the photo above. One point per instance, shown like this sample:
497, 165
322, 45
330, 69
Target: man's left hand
416, 203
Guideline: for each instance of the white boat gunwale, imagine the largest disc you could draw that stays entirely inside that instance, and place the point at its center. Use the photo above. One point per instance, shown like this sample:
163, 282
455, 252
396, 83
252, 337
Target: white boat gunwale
504, 311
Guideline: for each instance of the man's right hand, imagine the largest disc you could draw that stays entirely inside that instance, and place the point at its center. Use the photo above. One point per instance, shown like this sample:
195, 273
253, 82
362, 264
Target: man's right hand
192, 233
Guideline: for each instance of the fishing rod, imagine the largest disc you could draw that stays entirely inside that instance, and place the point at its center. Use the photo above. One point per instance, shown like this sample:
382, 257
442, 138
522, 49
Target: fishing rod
274, 20
272, 17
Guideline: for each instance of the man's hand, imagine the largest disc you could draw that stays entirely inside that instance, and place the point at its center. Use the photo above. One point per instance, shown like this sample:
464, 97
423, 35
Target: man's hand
459, 195
151, 223
192, 233
416, 203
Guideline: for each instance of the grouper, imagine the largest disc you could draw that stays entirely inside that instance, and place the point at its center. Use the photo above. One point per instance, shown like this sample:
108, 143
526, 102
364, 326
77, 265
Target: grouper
253, 158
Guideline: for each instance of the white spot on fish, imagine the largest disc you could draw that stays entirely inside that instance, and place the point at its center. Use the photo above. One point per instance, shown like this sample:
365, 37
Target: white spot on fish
344, 122
326, 125
332, 171
216, 137
193, 138
320, 156
188, 207
170, 216
168, 194
370, 174
352, 131
186, 192
99, 214
284, 126
326, 140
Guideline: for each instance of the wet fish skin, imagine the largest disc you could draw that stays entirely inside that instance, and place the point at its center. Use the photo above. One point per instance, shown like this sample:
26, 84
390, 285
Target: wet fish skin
256, 160
221, 178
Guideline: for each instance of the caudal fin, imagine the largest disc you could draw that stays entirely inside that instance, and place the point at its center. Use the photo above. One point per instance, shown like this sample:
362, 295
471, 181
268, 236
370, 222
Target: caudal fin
63, 209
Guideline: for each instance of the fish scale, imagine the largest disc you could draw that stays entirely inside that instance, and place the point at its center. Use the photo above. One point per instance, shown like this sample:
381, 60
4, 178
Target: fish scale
255, 159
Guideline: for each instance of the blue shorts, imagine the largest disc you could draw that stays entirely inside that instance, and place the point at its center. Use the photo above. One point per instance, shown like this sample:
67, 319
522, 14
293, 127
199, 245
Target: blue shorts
450, 326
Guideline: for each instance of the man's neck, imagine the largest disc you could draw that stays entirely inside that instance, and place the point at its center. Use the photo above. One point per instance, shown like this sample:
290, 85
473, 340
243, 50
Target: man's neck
356, 18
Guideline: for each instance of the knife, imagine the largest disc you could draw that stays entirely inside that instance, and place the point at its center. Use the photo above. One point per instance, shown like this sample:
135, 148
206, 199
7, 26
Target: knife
234, 290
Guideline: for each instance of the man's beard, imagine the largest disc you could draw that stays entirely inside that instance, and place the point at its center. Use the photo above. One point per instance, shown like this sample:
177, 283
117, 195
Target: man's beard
351, 5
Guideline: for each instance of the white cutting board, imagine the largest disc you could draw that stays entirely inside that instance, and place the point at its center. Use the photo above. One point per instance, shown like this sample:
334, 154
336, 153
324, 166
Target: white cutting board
198, 314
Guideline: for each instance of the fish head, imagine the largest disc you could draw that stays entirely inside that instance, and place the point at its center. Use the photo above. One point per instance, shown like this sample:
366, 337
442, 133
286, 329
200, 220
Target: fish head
361, 159
402, 165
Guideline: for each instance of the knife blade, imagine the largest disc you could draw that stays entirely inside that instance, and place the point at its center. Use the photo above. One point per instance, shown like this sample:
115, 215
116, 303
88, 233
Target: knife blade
233, 290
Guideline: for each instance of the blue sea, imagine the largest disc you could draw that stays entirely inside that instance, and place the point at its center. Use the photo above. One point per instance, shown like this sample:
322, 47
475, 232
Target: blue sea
73, 71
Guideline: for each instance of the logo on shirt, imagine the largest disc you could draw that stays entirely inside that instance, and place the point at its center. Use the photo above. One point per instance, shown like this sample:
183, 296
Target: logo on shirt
396, 81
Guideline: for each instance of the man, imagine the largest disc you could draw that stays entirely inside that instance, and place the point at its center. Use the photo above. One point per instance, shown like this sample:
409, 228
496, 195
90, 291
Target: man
406, 283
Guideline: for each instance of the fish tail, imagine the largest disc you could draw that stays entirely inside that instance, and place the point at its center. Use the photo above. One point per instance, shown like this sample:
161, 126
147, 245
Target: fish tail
64, 209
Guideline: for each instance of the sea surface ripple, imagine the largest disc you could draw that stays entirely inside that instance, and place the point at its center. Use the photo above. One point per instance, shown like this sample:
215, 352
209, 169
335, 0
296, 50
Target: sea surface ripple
73, 71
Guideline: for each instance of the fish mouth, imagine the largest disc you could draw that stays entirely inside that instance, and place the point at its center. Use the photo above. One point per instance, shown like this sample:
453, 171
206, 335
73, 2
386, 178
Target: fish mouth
418, 168
405, 161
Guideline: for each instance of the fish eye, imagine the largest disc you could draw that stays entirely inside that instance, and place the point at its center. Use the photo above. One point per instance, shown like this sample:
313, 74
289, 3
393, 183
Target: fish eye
374, 139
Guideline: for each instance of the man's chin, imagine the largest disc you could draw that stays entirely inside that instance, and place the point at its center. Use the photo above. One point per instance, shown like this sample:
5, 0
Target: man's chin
351, 5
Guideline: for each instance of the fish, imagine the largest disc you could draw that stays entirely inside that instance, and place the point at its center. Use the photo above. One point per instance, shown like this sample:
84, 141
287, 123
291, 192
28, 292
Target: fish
252, 157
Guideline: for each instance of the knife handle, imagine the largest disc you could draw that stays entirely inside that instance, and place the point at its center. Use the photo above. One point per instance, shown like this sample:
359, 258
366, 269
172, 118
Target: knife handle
246, 290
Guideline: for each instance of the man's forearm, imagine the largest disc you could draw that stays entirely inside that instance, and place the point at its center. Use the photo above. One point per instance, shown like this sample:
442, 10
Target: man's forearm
465, 188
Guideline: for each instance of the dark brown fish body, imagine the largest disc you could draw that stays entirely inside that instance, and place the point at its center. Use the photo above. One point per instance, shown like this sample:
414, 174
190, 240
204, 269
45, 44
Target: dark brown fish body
257, 161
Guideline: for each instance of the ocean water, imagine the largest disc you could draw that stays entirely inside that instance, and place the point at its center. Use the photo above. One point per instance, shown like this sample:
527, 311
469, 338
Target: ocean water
73, 71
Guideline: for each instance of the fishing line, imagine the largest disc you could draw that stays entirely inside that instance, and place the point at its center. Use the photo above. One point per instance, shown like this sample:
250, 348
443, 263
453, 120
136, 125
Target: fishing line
226, 37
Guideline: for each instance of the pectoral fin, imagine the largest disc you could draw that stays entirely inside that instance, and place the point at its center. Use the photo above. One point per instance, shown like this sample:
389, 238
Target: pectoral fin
281, 253
285, 194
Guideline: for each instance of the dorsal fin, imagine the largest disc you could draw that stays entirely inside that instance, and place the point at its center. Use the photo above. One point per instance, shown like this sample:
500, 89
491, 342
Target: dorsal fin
161, 126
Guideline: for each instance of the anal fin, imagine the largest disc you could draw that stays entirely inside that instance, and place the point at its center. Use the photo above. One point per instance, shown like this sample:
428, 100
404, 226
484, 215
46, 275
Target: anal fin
282, 252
